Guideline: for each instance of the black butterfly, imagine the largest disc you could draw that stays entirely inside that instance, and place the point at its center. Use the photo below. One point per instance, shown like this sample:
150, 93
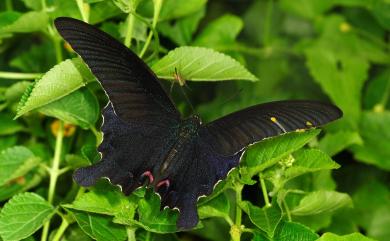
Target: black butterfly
147, 141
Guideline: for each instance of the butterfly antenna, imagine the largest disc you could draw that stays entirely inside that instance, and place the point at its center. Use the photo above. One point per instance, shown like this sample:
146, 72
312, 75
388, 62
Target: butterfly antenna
232, 97
187, 99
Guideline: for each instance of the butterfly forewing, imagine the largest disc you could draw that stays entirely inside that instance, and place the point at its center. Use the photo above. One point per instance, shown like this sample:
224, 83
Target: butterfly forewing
231, 133
130, 84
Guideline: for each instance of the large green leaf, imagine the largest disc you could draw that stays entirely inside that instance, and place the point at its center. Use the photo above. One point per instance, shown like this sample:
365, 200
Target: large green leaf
333, 143
181, 30
375, 131
216, 35
21, 184
310, 160
151, 218
22, 215
180, 8
200, 64
349, 237
100, 227
372, 208
321, 201
24, 23
15, 162
104, 198
58, 82
289, 231
268, 152
15, 91
378, 91
266, 218
9, 126
217, 207
306, 8
79, 107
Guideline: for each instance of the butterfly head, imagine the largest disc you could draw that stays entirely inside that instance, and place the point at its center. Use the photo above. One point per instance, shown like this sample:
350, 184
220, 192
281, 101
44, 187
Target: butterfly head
190, 126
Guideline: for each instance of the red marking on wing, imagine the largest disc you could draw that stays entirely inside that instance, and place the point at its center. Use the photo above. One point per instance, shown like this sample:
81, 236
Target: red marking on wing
149, 175
164, 182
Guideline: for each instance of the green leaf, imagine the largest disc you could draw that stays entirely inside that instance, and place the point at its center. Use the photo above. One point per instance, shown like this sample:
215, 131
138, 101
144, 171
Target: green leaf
182, 29
310, 160
333, 143
349, 237
268, 152
150, 216
377, 92
289, 231
372, 207
306, 8
7, 141
180, 8
217, 207
200, 64
339, 62
76, 161
266, 218
36, 59
217, 35
9, 126
381, 10
104, 198
342, 84
22, 215
127, 5
15, 91
25, 23
60, 81
21, 184
321, 201
79, 107
33, 4
15, 162
375, 131
100, 227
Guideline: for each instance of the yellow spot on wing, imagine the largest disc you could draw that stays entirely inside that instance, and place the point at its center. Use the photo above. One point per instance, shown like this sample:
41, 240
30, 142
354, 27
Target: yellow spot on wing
274, 120
308, 123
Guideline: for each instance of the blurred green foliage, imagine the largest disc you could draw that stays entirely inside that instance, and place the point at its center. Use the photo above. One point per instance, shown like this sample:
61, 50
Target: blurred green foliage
286, 188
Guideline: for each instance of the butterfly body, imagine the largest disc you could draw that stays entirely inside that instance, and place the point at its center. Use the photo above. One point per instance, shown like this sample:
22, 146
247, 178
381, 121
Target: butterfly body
147, 142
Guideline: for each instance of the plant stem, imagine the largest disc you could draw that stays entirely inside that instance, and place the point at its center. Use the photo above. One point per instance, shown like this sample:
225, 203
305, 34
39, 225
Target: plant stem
267, 23
239, 188
84, 10
43, 3
61, 230
54, 173
129, 30
147, 238
98, 135
15, 75
156, 14
287, 210
236, 229
131, 233
264, 190
8, 5
57, 46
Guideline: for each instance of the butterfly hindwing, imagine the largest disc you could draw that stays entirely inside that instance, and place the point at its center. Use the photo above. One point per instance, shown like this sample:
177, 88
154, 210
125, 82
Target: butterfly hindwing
131, 86
230, 134
197, 169
128, 150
